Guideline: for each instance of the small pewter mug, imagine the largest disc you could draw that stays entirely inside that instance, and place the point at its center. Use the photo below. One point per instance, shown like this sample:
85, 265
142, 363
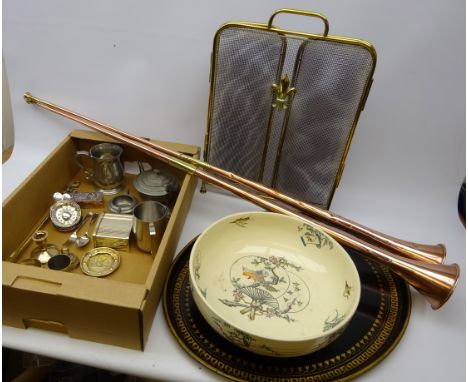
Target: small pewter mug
107, 172
149, 222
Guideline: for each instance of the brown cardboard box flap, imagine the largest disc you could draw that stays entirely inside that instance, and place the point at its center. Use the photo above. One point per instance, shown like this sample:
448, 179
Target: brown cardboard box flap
72, 285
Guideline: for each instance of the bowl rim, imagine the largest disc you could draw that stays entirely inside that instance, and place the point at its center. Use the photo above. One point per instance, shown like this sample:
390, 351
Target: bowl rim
337, 328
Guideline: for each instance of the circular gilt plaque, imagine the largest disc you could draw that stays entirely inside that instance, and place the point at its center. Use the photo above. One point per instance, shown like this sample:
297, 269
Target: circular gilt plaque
101, 261
374, 331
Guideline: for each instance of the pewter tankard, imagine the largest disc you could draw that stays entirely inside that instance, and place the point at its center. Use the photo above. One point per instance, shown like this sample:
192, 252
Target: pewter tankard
107, 173
149, 222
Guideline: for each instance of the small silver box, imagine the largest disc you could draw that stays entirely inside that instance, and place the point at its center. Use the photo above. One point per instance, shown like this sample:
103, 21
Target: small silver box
113, 230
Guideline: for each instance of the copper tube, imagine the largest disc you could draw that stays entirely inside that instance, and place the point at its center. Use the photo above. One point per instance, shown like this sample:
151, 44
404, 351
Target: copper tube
434, 281
421, 252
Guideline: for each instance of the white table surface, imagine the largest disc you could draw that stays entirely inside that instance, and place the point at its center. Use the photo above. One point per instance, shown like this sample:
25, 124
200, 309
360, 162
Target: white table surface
143, 67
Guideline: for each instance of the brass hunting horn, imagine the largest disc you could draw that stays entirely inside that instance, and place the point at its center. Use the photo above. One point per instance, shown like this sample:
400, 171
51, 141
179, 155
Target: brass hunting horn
419, 264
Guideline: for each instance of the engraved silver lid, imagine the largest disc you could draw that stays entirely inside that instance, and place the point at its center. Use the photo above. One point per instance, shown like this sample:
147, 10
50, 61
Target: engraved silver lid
122, 204
156, 184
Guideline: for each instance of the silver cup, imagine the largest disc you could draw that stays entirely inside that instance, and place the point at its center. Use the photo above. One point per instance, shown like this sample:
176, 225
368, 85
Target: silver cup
149, 222
107, 171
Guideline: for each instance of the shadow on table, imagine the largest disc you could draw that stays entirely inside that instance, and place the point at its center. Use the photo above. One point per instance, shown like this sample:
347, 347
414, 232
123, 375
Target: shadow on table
25, 367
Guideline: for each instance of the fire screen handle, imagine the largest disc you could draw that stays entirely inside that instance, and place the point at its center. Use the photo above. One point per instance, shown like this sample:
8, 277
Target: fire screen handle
302, 13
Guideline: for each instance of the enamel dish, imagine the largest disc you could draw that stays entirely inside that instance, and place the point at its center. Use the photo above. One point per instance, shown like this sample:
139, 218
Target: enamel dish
273, 285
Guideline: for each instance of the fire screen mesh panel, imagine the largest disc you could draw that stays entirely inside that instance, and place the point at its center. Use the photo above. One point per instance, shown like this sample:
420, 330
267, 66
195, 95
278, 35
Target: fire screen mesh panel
284, 105
329, 85
248, 62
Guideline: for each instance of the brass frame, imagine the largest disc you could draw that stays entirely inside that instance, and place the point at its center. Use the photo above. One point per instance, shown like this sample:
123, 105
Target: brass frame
306, 36
272, 111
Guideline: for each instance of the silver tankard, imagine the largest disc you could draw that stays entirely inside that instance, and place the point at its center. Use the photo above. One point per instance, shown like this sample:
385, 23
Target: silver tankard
149, 222
107, 173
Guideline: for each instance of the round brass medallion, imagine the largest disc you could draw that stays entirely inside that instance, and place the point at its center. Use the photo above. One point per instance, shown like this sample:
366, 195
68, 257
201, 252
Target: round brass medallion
101, 261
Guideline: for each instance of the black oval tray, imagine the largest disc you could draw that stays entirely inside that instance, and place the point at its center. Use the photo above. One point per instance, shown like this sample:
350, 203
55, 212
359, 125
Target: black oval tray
374, 331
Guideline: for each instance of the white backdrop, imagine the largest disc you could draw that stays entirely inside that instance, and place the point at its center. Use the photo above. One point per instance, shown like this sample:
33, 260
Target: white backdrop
143, 66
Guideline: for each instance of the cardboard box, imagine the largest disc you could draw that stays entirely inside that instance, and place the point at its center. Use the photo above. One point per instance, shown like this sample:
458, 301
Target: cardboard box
117, 309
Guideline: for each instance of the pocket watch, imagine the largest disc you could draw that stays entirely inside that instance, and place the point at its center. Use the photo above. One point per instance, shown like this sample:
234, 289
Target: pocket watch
65, 214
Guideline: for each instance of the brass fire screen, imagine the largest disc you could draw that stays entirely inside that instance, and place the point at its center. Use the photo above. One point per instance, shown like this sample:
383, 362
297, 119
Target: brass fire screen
284, 105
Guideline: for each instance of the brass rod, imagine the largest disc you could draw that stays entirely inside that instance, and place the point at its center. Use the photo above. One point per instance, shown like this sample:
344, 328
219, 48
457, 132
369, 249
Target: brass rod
434, 281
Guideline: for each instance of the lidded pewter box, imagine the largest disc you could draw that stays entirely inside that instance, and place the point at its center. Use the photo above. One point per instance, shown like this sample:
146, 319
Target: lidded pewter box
113, 230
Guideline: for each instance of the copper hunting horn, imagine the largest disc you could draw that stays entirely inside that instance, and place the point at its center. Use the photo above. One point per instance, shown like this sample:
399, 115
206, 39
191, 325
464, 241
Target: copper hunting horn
421, 252
435, 281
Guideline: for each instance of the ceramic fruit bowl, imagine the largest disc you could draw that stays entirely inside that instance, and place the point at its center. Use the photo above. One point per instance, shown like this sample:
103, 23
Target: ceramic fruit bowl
273, 285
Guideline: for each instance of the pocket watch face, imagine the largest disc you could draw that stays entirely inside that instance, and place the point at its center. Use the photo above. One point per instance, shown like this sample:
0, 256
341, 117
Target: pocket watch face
65, 214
